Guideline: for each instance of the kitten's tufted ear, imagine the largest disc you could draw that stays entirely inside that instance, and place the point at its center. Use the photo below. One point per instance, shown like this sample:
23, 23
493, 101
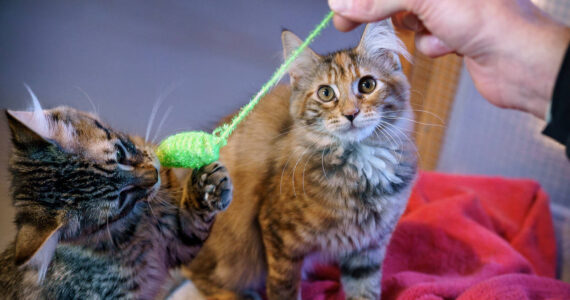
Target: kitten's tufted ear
36, 243
28, 128
379, 38
306, 60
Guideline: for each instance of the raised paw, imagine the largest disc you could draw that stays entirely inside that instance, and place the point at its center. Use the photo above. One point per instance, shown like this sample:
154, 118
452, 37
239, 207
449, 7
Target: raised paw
213, 186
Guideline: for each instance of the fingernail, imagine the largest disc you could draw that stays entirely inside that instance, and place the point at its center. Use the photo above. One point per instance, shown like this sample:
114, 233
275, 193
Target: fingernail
338, 5
440, 45
431, 45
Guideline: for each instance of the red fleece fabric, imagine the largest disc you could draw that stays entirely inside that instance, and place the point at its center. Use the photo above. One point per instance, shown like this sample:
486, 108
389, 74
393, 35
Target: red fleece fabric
466, 238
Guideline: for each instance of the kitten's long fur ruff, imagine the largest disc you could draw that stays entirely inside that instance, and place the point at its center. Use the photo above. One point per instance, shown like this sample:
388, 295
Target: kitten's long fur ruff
316, 176
97, 217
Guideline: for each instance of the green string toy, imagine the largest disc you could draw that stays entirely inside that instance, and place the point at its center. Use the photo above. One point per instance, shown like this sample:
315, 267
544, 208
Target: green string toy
195, 149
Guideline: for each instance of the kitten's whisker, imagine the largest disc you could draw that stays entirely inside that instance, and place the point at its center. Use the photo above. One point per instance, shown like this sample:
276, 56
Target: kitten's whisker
422, 111
109, 230
384, 131
378, 130
403, 133
151, 118
381, 129
297, 163
388, 131
392, 136
293, 172
95, 110
149, 202
323, 164
304, 169
418, 92
414, 121
283, 173
166, 114
155, 107
150, 206
291, 129
407, 137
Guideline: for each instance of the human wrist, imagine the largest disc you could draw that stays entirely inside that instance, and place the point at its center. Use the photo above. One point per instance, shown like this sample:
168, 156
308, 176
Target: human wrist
553, 42
517, 67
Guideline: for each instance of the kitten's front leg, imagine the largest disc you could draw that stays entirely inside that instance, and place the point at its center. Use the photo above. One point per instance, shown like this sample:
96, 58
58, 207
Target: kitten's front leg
361, 273
207, 192
284, 268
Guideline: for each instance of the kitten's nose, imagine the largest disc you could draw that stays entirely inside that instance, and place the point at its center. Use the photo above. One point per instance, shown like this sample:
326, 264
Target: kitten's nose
146, 176
352, 114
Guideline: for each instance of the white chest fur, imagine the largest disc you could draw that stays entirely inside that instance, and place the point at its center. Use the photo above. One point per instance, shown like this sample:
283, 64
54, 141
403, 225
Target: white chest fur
376, 164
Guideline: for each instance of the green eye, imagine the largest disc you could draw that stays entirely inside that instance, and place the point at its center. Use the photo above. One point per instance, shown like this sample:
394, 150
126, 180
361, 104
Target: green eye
121, 154
325, 93
366, 85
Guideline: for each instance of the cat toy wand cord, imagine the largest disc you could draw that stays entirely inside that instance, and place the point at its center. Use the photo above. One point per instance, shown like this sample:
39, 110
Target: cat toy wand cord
195, 149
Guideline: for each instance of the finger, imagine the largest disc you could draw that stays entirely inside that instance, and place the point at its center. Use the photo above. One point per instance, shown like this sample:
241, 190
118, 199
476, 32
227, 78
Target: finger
407, 20
344, 24
431, 45
367, 10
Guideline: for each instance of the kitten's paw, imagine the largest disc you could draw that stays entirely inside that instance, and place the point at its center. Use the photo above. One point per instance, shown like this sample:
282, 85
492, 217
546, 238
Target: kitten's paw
214, 187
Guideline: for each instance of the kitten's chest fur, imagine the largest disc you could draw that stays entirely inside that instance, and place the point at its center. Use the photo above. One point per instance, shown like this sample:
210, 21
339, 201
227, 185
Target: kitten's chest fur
341, 197
366, 173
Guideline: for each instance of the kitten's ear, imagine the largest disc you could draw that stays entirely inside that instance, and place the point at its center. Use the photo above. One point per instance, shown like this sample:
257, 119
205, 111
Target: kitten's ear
379, 38
33, 239
306, 59
36, 243
28, 128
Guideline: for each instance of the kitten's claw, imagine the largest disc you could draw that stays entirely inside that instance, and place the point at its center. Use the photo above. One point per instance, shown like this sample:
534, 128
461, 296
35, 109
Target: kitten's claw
214, 186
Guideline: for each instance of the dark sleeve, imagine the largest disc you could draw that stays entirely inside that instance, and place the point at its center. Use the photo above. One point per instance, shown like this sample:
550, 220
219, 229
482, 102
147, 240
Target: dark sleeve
559, 126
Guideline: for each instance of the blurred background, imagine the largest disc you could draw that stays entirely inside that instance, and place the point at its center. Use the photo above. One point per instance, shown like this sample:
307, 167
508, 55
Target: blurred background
206, 58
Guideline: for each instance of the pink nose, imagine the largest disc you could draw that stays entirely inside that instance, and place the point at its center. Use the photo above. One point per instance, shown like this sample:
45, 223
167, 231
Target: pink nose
352, 114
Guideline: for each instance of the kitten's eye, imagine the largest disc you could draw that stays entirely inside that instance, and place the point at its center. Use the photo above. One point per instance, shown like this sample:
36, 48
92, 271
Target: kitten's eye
366, 85
121, 154
325, 93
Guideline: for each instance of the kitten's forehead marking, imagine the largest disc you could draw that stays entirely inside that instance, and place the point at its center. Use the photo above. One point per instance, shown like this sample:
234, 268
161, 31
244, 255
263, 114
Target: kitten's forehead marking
104, 129
342, 67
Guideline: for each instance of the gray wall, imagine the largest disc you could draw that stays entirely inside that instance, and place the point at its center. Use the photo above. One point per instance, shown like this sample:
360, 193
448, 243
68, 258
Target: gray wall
209, 57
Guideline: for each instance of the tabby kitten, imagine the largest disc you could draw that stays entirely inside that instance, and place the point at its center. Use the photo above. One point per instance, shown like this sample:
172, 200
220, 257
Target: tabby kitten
97, 217
322, 169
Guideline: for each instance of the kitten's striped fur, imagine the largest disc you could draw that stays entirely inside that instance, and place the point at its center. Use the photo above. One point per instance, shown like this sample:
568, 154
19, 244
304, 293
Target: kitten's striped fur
316, 179
97, 217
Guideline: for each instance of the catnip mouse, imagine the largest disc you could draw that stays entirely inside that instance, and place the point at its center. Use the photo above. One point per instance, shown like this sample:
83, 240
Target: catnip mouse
96, 215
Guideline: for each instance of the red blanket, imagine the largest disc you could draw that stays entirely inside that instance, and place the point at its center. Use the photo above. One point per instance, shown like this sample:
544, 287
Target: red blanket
465, 237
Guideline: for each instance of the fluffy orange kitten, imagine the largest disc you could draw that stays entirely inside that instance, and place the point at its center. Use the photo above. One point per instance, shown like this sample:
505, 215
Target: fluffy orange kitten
321, 169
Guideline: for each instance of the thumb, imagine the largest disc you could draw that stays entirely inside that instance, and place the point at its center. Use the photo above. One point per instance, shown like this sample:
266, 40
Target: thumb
364, 11
431, 45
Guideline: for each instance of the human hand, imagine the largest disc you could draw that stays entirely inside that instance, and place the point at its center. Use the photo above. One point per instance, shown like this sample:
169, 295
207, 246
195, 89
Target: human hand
512, 50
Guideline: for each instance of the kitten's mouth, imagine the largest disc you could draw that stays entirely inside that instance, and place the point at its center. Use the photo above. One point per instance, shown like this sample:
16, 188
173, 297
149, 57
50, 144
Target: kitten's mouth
128, 197
355, 133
